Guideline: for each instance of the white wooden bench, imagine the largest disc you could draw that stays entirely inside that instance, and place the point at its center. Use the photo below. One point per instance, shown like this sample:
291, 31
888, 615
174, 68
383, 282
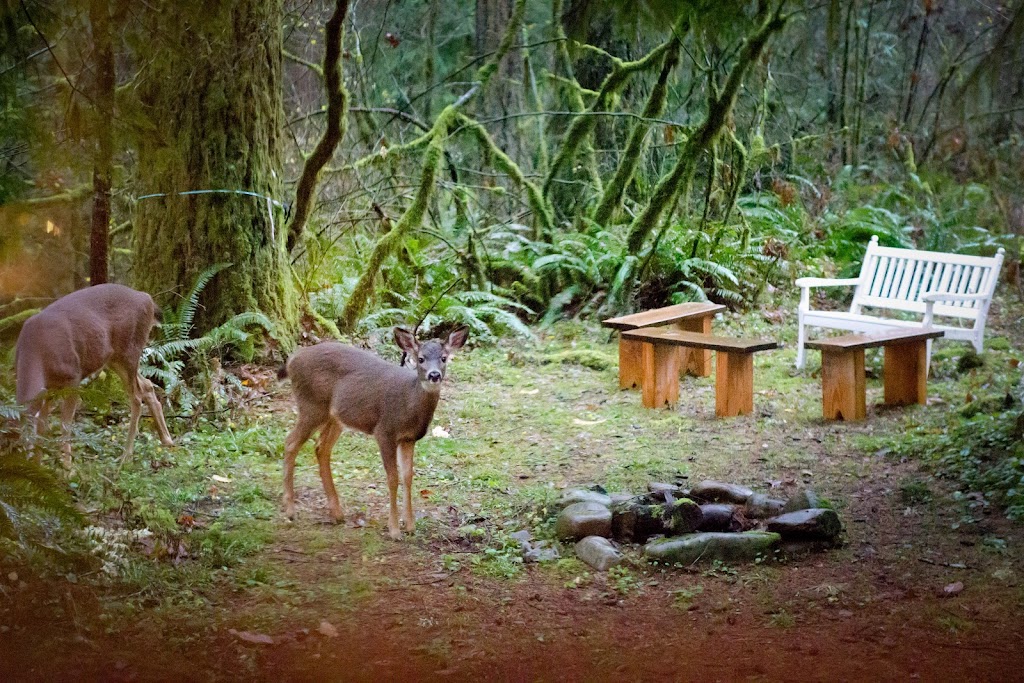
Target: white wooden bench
934, 290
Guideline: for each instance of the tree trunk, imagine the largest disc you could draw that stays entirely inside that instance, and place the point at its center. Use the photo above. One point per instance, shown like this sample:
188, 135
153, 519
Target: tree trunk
212, 92
501, 97
103, 161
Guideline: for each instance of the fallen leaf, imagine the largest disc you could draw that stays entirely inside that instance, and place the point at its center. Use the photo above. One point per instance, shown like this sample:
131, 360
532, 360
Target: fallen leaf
529, 392
221, 480
426, 493
327, 628
953, 589
254, 638
440, 432
588, 422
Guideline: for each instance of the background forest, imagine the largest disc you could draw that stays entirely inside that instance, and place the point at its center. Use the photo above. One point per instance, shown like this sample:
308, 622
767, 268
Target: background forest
277, 172
504, 162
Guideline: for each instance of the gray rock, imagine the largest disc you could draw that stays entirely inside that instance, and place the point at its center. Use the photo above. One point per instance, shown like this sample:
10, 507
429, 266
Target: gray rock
710, 546
815, 524
760, 506
584, 519
718, 492
584, 496
682, 517
598, 552
620, 497
804, 499
523, 536
659, 489
719, 517
541, 552
637, 519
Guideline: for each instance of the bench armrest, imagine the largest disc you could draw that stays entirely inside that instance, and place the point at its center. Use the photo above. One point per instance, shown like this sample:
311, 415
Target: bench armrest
932, 297
827, 282
805, 284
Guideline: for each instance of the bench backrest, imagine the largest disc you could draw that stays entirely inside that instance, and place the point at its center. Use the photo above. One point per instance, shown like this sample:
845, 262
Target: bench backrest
896, 279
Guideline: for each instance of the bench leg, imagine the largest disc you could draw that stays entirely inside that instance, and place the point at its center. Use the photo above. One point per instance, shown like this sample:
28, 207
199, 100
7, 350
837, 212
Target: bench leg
842, 385
630, 371
660, 384
734, 384
696, 362
906, 373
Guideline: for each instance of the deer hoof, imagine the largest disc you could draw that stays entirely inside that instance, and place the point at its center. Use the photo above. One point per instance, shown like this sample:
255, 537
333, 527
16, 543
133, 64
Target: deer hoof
395, 534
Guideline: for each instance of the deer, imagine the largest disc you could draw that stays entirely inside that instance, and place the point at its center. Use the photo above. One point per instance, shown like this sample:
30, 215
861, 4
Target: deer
76, 336
337, 386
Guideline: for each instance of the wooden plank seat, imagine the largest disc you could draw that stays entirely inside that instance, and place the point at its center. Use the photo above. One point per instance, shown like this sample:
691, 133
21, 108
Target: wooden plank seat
734, 375
905, 370
688, 317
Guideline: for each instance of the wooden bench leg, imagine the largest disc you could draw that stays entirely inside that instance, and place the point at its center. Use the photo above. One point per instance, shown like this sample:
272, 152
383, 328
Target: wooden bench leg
660, 384
696, 362
906, 373
734, 384
842, 385
630, 370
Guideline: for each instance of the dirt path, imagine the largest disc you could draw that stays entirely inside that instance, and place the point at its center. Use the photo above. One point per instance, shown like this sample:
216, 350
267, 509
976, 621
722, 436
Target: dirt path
434, 607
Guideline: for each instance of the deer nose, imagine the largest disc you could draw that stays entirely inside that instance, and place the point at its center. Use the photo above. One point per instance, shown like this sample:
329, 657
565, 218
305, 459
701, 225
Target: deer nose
434, 376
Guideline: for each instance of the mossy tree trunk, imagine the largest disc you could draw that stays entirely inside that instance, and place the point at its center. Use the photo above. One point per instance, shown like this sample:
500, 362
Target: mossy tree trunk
212, 93
720, 106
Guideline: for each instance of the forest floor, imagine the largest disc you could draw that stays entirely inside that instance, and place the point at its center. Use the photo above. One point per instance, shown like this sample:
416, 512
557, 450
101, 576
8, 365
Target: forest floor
227, 589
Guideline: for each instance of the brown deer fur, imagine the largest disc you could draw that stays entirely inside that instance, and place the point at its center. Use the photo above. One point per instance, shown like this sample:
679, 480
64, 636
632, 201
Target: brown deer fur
78, 335
338, 386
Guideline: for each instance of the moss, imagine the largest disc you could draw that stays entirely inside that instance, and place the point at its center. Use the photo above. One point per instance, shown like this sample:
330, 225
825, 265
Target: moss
229, 137
720, 106
539, 205
595, 360
637, 142
10, 327
412, 218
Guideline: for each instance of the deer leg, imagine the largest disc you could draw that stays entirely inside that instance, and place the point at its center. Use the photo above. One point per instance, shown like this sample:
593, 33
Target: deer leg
67, 417
405, 468
134, 402
38, 416
328, 437
293, 442
388, 453
145, 388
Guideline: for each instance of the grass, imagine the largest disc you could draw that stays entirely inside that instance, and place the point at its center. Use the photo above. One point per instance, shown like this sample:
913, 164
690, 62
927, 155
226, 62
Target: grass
519, 430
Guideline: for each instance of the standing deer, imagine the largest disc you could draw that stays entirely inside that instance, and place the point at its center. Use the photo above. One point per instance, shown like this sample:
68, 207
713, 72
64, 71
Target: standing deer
78, 335
338, 386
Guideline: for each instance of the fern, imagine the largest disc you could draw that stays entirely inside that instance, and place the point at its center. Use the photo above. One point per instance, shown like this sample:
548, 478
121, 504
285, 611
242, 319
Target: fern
28, 489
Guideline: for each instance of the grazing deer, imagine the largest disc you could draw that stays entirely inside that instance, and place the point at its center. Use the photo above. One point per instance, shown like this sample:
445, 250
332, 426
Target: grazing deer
338, 386
78, 335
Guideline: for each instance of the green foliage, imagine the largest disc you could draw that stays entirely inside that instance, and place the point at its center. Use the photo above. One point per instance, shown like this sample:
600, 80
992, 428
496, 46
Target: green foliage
30, 494
981, 450
168, 357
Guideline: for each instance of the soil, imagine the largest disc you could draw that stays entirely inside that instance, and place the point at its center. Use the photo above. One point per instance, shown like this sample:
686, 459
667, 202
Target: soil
929, 592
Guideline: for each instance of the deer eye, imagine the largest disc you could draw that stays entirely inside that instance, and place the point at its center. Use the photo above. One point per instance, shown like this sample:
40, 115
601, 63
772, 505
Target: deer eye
444, 359
421, 359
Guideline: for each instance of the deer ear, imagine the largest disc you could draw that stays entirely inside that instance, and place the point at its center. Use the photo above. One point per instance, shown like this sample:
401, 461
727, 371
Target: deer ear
406, 341
457, 338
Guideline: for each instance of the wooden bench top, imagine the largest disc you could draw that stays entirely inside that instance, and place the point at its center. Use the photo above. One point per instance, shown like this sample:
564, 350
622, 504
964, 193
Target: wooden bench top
664, 335
851, 342
663, 316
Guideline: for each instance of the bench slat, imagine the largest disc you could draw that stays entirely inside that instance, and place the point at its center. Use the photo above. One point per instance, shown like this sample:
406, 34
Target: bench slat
700, 341
662, 316
850, 342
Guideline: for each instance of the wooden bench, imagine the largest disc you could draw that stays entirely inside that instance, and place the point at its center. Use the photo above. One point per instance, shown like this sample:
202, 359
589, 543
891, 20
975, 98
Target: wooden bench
905, 370
923, 285
734, 374
688, 317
